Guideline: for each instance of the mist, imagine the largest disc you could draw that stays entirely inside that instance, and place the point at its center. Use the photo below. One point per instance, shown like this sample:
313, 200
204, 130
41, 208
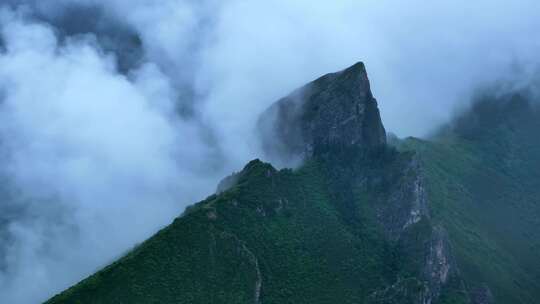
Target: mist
116, 115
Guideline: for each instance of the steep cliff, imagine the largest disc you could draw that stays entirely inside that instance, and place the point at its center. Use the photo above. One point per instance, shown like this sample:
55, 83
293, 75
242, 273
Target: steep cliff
337, 109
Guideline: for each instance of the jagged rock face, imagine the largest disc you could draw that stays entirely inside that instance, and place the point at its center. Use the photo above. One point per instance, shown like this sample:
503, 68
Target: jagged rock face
439, 264
407, 202
404, 216
337, 109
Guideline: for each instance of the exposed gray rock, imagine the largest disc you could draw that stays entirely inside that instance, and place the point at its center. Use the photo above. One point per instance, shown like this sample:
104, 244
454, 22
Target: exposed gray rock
407, 201
439, 264
405, 218
337, 109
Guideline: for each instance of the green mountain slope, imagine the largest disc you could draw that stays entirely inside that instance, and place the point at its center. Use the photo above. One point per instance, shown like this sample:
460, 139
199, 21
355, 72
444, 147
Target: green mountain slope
451, 220
275, 237
484, 183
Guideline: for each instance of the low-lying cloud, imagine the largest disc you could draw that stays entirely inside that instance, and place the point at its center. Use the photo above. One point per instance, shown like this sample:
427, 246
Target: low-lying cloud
97, 159
115, 115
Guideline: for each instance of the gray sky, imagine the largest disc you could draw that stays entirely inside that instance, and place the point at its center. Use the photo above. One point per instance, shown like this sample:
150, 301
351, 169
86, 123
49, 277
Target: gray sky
98, 157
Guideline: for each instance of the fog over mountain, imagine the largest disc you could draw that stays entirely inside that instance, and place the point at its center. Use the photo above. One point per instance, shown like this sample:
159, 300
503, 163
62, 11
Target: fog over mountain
115, 115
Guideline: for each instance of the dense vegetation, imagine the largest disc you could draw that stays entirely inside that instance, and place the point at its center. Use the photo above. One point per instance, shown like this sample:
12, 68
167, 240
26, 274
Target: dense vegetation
278, 229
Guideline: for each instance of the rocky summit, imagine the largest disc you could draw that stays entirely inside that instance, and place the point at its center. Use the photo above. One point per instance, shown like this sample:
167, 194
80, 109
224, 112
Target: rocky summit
452, 219
337, 109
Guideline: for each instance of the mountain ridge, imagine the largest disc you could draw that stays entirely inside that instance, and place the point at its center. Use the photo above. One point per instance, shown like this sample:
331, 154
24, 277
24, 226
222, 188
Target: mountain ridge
359, 221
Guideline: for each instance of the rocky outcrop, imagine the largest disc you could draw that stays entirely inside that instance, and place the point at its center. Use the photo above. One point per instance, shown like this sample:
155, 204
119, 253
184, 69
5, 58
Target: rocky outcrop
406, 203
439, 265
406, 221
337, 109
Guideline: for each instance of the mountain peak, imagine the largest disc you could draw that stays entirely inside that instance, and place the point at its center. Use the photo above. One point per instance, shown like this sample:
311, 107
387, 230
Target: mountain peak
337, 109
357, 69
